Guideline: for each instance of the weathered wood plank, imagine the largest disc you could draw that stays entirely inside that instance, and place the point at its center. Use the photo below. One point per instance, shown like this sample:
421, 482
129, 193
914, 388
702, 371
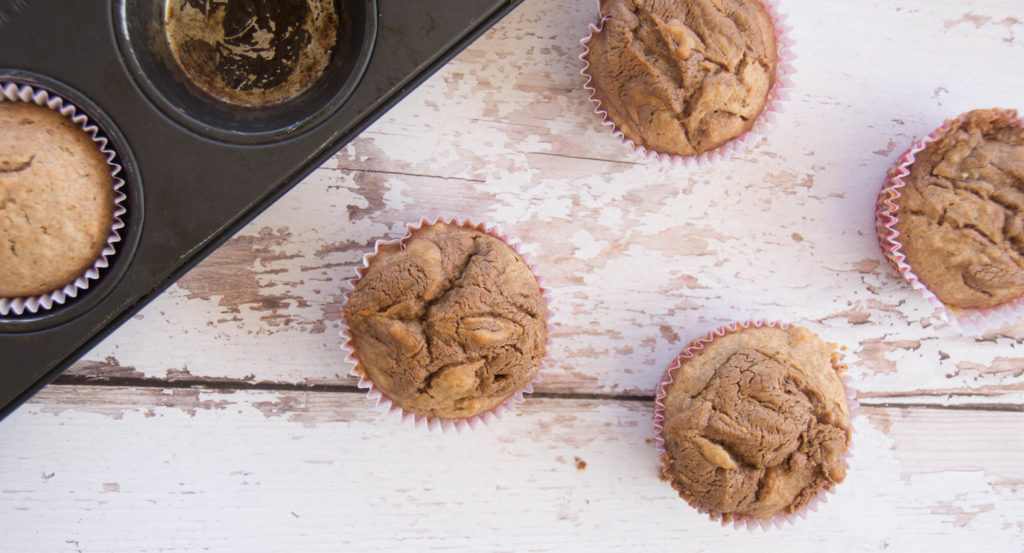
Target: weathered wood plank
114, 469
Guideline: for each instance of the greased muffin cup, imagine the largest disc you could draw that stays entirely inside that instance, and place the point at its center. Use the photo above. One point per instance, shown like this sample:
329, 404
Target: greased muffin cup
777, 96
483, 330
968, 320
691, 351
11, 91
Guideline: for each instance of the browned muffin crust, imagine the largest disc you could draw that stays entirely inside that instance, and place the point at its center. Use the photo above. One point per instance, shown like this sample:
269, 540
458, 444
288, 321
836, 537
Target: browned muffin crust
683, 76
451, 325
757, 423
56, 200
960, 214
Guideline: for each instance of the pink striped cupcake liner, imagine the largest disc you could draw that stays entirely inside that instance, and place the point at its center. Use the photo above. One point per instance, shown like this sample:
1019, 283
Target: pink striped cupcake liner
777, 521
777, 97
971, 321
20, 92
380, 399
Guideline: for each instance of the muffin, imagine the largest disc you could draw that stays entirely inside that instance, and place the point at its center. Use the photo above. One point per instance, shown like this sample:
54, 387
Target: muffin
57, 200
448, 323
682, 77
755, 422
958, 212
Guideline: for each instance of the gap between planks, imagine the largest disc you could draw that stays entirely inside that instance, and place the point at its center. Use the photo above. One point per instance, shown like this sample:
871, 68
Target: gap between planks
241, 385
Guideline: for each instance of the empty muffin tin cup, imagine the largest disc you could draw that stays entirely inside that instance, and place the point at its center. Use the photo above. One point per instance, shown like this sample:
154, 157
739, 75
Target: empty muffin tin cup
247, 72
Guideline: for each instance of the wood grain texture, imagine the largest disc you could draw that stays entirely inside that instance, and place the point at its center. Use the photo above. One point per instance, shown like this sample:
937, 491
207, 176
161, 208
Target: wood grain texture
158, 470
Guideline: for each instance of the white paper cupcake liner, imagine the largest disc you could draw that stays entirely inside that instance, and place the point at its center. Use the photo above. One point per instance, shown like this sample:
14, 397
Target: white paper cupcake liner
971, 321
777, 97
380, 399
19, 92
777, 521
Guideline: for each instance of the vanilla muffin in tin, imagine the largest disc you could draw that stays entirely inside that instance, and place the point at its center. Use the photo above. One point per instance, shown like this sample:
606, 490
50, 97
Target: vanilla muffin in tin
59, 200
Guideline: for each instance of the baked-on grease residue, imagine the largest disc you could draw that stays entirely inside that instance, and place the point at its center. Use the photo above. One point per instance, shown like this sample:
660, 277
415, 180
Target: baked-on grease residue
252, 52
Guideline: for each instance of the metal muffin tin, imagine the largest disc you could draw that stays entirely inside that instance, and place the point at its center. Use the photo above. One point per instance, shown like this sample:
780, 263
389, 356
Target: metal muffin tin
197, 170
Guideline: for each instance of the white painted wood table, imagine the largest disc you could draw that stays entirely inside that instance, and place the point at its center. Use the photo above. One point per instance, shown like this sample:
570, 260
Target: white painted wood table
222, 418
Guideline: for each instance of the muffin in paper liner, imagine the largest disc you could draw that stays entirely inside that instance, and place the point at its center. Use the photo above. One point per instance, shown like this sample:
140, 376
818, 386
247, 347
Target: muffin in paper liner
744, 142
434, 422
778, 520
975, 321
11, 91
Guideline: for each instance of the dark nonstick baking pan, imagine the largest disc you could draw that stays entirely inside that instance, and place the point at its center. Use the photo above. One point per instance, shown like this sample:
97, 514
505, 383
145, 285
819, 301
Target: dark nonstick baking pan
197, 168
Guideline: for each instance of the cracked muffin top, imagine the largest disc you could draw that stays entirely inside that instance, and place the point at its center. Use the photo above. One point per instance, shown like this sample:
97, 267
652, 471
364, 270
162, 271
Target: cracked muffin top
683, 77
756, 423
449, 324
960, 213
56, 200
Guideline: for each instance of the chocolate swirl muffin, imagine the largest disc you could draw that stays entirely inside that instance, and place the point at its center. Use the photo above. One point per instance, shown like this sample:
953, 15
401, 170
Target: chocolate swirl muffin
449, 324
756, 423
960, 218
683, 77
